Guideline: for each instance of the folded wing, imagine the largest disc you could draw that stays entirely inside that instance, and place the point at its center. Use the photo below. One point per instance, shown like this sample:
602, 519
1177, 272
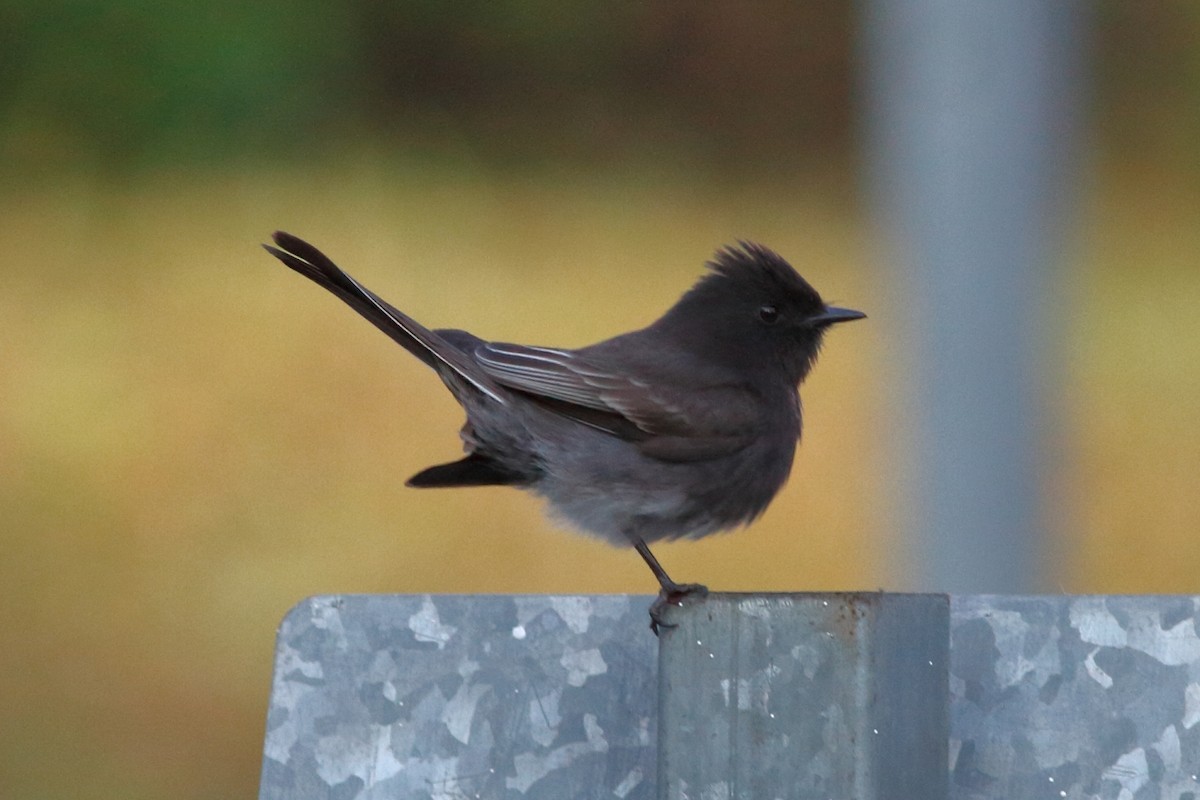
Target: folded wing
613, 400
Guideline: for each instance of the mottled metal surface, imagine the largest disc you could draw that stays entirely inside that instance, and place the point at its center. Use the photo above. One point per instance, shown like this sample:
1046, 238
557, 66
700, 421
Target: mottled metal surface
462, 697
1075, 697
805, 697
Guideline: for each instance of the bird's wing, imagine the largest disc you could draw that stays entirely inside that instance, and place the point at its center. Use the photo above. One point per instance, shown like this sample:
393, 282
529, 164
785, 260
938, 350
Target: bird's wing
568, 377
625, 405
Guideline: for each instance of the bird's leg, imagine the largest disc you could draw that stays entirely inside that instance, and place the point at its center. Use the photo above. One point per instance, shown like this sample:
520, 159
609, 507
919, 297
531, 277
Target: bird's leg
664, 580
670, 592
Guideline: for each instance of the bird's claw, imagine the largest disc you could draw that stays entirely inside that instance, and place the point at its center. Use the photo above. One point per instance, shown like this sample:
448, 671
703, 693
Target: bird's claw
673, 595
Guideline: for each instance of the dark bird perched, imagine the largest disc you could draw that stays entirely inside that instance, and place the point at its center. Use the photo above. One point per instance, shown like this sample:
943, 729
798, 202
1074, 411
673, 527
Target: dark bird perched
680, 429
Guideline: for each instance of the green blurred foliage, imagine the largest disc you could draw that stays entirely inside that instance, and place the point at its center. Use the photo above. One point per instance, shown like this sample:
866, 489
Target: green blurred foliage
139, 83
1146, 69
587, 81
134, 83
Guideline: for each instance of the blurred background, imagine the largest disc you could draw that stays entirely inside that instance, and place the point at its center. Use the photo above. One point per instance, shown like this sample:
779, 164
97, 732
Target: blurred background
192, 438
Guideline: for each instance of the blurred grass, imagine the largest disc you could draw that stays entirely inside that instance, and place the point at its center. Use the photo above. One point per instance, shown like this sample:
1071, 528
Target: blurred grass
1131, 510
194, 438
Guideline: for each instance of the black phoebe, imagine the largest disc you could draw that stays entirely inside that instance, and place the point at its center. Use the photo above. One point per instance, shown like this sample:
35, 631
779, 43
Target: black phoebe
681, 429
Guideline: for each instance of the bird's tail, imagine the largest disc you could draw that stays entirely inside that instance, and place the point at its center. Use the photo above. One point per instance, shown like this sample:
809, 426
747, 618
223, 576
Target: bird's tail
406, 331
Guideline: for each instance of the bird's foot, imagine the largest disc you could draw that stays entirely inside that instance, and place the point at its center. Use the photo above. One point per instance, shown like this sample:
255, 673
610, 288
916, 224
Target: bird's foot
673, 594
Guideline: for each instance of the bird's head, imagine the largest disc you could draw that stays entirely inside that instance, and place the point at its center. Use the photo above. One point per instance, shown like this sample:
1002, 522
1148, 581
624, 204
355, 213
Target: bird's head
754, 311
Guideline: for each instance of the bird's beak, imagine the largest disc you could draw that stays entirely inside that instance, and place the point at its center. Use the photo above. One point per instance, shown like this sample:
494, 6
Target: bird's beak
833, 314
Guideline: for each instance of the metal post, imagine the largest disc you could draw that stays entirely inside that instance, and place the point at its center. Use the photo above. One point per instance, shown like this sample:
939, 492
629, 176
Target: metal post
761, 696
970, 114
806, 697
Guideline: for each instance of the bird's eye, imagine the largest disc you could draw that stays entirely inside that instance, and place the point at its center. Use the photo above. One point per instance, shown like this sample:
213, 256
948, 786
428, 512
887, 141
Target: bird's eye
769, 314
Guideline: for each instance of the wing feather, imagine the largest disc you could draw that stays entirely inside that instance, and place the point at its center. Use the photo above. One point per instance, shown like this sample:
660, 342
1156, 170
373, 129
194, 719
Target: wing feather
578, 385
570, 377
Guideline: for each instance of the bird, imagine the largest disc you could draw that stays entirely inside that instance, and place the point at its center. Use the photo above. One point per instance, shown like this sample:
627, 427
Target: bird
678, 430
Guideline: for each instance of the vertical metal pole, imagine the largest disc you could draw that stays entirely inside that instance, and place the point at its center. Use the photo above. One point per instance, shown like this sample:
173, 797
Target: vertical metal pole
971, 108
